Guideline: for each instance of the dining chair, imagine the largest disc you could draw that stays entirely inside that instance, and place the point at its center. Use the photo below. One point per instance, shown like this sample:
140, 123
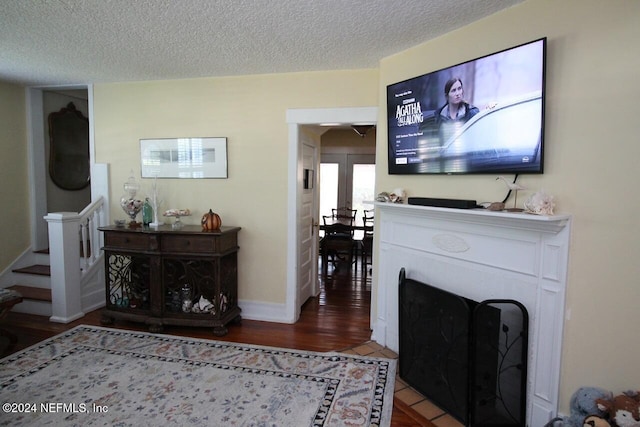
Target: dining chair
366, 248
344, 214
338, 246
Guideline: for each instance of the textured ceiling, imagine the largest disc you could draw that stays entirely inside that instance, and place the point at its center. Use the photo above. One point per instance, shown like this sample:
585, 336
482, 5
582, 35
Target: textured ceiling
58, 42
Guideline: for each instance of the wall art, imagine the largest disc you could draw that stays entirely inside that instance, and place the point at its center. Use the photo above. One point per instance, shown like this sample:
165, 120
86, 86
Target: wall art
184, 158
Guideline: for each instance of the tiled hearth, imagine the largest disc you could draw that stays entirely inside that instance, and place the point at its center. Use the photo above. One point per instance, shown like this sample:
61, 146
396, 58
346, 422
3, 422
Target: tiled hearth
423, 409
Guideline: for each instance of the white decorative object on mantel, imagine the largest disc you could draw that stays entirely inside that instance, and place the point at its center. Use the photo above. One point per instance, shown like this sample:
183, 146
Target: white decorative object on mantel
397, 196
540, 203
512, 186
481, 254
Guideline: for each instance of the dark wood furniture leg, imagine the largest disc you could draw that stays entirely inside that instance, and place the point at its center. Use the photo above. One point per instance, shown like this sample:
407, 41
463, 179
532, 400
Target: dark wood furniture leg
8, 299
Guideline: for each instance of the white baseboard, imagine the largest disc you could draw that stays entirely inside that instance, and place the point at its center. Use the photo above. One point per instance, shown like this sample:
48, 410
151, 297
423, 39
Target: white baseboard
69, 319
251, 310
264, 311
39, 308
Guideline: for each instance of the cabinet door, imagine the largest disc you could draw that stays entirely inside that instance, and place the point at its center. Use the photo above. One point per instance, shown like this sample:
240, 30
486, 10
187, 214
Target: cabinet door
194, 279
129, 276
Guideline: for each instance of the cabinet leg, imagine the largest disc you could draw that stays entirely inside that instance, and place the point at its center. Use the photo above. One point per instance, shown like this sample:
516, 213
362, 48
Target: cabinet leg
220, 331
106, 320
156, 328
12, 338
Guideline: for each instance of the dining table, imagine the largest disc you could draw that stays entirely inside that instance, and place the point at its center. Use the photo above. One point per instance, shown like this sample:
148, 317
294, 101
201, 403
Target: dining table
330, 223
342, 227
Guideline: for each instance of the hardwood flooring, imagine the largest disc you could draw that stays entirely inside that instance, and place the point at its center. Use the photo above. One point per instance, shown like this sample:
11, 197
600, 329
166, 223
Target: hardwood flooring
336, 320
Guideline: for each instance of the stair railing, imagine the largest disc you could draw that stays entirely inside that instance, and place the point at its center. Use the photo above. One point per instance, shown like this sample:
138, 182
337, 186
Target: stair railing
91, 218
74, 239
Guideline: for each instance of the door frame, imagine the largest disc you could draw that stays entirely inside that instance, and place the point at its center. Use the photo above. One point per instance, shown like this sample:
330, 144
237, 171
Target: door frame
295, 118
38, 162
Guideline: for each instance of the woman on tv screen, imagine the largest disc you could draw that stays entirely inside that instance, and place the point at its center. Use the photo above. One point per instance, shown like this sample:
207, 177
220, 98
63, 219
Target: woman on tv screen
456, 111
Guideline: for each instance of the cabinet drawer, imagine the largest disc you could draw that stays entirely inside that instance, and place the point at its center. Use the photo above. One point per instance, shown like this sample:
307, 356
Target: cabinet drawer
189, 244
130, 241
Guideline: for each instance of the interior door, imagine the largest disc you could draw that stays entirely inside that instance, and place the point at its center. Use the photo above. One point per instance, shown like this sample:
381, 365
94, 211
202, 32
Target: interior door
307, 232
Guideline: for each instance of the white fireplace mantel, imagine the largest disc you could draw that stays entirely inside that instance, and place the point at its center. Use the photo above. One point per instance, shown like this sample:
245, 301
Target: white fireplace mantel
482, 255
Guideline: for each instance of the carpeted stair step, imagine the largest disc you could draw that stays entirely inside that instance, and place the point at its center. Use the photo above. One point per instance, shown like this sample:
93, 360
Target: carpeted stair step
32, 293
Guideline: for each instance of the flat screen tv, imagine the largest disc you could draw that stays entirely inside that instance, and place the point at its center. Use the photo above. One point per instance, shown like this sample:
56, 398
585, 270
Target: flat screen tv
482, 116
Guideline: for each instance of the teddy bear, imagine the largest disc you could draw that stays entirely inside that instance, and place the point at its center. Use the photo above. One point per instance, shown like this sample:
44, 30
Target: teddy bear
623, 410
582, 404
595, 421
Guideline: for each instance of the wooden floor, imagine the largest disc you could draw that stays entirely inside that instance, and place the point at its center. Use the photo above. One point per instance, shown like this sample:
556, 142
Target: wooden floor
335, 320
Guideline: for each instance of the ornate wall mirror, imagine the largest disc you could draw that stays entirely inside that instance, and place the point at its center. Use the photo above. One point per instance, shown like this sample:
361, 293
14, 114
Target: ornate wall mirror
69, 154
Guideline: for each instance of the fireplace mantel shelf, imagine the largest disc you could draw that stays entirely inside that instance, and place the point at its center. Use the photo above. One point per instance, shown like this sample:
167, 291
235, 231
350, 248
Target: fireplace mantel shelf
521, 220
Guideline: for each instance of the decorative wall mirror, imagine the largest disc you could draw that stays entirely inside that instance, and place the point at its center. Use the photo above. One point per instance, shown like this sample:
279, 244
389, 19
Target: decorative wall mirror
69, 151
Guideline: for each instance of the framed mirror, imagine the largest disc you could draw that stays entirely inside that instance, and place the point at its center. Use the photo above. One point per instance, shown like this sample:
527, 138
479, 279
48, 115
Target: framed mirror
69, 148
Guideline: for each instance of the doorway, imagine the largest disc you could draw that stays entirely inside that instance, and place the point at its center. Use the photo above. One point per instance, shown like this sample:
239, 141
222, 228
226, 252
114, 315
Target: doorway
45, 196
347, 180
297, 118
60, 199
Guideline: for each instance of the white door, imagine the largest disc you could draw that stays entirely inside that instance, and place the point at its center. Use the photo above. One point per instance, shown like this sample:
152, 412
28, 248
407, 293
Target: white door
308, 240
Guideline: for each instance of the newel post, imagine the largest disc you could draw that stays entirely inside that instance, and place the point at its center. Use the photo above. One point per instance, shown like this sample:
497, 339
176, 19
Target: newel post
64, 241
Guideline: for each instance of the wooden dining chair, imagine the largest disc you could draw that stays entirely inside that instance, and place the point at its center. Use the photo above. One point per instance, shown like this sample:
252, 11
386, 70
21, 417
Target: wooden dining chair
366, 246
338, 246
344, 213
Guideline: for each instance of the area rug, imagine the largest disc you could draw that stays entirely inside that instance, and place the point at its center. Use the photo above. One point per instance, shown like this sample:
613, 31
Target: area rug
101, 376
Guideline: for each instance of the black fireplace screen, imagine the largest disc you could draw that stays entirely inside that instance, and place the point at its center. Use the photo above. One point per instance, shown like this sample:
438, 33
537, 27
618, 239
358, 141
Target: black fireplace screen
469, 358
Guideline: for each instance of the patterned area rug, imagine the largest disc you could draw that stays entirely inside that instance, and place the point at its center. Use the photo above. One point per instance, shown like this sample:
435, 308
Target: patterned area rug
102, 376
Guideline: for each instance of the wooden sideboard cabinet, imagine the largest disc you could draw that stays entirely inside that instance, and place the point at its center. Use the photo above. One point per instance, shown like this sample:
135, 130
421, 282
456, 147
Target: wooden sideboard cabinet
161, 276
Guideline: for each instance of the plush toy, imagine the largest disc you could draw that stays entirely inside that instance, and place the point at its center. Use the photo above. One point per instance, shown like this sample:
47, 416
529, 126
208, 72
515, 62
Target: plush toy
595, 421
582, 404
623, 410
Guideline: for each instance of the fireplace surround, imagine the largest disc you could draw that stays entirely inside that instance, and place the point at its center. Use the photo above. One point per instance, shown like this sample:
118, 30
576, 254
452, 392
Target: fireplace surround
481, 255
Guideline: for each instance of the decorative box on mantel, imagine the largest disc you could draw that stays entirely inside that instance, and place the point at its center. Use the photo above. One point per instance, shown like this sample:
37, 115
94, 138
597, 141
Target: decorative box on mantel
482, 255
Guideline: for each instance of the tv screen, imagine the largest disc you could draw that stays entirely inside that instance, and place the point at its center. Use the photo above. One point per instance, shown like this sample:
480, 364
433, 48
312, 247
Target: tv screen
482, 116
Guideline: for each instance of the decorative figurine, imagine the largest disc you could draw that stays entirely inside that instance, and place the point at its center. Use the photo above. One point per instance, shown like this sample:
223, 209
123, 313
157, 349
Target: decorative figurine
177, 213
540, 203
513, 187
155, 201
147, 213
211, 221
128, 202
186, 295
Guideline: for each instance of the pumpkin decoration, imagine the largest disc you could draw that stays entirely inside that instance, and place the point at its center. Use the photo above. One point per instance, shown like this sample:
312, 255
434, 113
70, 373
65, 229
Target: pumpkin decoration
211, 221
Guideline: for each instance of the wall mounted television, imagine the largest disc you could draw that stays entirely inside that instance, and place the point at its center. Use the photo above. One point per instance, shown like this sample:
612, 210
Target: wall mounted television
485, 115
